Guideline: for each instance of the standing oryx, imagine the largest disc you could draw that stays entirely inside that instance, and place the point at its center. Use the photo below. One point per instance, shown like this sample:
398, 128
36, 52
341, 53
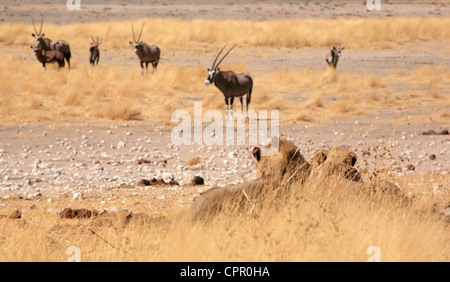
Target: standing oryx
94, 52
48, 57
335, 54
147, 54
48, 45
230, 84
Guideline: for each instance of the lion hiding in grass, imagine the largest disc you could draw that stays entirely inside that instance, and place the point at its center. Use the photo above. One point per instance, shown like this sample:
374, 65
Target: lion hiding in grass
277, 175
288, 164
338, 161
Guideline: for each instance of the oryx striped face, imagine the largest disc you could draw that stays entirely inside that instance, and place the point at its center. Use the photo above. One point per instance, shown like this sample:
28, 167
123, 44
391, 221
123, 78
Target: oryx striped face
210, 78
40, 41
136, 45
337, 50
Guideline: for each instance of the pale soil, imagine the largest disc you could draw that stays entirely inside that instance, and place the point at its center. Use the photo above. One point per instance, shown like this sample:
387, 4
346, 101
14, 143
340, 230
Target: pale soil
92, 10
46, 163
56, 160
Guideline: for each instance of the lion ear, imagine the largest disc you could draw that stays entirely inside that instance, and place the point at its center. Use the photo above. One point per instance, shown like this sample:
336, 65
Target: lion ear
257, 153
319, 157
351, 159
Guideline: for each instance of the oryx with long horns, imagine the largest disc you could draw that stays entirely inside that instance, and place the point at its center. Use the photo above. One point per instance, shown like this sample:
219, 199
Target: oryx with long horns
147, 54
48, 57
49, 45
230, 84
333, 58
94, 52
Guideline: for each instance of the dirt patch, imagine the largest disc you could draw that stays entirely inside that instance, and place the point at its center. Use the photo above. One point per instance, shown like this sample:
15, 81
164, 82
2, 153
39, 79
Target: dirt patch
57, 12
432, 132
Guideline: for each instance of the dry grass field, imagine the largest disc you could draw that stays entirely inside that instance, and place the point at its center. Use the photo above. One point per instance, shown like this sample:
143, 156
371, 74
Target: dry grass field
116, 91
394, 72
323, 221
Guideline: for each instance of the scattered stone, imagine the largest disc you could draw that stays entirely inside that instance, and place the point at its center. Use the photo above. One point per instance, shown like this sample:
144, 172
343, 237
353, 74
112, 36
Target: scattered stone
155, 181
16, 214
232, 155
120, 144
155, 162
197, 180
432, 157
143, 182
168, 177
77, 213
78, 195
410, 167
432, 132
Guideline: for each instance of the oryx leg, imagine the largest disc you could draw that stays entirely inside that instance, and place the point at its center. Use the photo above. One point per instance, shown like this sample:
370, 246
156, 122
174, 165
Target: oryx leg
226, 108
242, 104
249, 96
155, 65
231, 108
142, 68
146, 68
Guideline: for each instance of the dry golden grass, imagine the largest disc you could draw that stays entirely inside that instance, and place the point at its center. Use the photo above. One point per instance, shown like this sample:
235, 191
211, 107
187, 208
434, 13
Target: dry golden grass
112, 92
118, 92
356, 33
194, 161
323, 220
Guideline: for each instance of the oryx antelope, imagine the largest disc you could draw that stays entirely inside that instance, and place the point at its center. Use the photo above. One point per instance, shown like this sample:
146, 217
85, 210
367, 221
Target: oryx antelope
48, 57
333, 57
147, 54
230, 84
49, 45
94, 52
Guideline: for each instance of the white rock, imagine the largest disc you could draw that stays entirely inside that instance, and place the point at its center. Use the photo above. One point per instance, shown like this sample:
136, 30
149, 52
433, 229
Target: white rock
78, 195
167, 177
232, 154
120, 144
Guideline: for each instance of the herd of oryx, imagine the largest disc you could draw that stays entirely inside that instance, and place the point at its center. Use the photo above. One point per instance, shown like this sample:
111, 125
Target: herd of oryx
231, 84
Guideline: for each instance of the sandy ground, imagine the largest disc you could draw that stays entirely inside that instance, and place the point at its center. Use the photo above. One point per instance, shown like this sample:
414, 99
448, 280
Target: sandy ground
95, 164
91, 10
